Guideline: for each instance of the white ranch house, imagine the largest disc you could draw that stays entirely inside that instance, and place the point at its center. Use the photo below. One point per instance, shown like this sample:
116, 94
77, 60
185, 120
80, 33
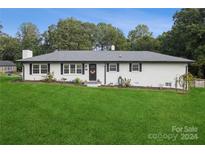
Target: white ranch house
144, 68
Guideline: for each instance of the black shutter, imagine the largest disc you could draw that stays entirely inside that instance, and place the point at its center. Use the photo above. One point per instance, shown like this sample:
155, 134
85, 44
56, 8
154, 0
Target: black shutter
140, 67
61, 68
107, 67
83, 71
118, 67
130, 67
48, 68
30, 68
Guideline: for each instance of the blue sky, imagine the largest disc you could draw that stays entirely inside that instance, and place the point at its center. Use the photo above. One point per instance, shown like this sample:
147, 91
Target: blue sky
158, 20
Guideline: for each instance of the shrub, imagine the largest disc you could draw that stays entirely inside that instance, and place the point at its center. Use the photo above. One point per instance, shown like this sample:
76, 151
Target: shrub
49, 77
185, 80
77, 81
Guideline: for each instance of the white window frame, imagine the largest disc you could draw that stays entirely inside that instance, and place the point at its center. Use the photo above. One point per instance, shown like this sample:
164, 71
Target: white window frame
115, 67
35, 69
138, 67
46, 68
81, 68
64, 68
39, 69
78, 67
74, 69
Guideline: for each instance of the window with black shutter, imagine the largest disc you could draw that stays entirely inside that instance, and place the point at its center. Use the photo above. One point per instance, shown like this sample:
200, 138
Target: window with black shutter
30, 68
140, 67
48, 68
118, 67
130, 67
61, 68
83, 66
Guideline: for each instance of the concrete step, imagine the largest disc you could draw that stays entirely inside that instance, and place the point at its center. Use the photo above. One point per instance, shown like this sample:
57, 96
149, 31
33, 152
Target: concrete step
92, 84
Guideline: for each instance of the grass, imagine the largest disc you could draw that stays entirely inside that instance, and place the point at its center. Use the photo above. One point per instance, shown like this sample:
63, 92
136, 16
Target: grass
42, 113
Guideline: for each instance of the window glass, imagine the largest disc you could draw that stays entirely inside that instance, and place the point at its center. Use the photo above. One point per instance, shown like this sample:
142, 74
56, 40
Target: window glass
79, 68
72, 68
44, 69
66, 68
113, 67
135, 67
168, 84
35, 69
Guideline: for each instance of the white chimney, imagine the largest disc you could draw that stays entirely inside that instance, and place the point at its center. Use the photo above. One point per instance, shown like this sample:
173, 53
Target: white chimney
113, 48
27, 54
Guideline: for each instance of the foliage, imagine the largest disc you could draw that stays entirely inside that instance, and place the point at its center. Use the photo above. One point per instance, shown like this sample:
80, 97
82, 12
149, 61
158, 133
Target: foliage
140, 31
77, 81
141, 39
29, 37
187, 38
186, 80
107, 35
49, 77
9, 48
1, 27
70, 34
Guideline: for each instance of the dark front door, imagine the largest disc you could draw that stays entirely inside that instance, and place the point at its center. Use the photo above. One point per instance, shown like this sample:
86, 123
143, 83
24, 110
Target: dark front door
92, 72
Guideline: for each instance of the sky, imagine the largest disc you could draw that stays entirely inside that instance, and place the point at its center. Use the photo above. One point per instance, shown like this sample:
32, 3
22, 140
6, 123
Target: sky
158, 20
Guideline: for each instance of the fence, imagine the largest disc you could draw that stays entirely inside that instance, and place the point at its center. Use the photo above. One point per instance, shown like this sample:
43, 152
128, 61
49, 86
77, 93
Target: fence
198, 83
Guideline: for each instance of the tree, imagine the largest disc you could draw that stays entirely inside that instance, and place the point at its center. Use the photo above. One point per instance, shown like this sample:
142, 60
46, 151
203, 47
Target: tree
29, 37
9, 48
140, 31
70, 34
107, 35
187, 38
141, 39
1, 27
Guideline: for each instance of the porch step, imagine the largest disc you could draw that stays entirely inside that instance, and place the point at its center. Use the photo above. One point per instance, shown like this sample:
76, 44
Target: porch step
92, 84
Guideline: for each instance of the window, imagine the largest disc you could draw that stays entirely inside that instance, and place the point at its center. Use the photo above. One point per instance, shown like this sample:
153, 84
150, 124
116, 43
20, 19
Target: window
35, 69
72, 68
113, 67
168, 84
66, 68
44, 69
79, 68
135, 67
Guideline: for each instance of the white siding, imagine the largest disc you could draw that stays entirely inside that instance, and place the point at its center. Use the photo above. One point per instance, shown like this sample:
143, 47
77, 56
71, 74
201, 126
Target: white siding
152, 75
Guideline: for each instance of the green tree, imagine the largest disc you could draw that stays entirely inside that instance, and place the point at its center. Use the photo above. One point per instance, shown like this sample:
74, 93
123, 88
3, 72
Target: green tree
140, 31
29, 37
9, 48
141, 39
107, 35
187, 38
1, 27
70, 34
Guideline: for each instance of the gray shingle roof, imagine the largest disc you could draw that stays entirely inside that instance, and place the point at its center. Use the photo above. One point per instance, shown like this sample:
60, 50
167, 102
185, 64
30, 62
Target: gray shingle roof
105, 56
6, 63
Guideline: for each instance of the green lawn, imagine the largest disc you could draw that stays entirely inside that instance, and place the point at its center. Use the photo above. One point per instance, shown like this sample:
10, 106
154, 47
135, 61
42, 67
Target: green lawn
43, 113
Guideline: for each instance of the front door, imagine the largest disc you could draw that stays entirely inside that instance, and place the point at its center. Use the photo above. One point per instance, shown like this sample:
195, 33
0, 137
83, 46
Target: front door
92, 72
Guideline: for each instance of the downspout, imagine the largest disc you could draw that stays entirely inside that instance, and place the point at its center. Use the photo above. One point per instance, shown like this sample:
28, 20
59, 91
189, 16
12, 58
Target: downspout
23, 70
187, 86
105, 74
